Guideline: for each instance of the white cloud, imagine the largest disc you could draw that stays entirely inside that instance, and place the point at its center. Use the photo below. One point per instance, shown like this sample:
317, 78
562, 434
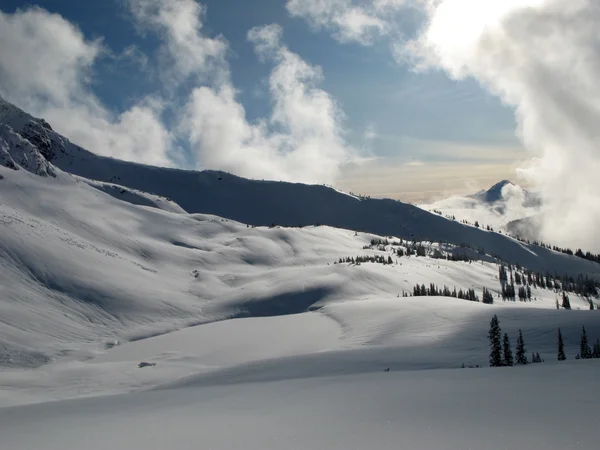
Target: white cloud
543, 58
349, 21
266, 39
301, 141
185, 51
46, 68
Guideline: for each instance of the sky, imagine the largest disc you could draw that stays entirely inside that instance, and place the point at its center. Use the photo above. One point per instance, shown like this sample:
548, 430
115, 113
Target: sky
185, 83
413, 99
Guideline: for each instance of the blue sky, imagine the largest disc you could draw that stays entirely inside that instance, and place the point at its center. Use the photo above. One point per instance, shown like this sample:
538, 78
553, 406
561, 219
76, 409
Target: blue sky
391, 112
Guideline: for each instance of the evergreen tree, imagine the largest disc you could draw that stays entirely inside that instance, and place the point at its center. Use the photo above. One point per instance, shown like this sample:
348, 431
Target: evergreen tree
584, 348
487, 296
521, 358
495, 344
566, 303
561, 347
507, 352
596, 352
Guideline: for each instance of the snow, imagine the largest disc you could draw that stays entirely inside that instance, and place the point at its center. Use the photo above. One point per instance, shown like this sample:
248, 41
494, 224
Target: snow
263, 203
530, 407
499, 206
260, 339
82, 270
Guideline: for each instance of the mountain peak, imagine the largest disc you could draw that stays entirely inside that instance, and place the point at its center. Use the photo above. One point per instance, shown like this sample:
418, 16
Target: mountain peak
494, 193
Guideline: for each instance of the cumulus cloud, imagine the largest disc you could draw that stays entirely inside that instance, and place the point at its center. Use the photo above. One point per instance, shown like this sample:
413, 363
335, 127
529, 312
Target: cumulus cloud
186, 50
46, 68
301, 140
543, 58
495, 207
349, 21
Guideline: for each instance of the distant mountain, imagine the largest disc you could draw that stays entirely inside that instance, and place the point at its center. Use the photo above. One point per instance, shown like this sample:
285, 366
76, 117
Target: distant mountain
493, 194
501, 192
264, 203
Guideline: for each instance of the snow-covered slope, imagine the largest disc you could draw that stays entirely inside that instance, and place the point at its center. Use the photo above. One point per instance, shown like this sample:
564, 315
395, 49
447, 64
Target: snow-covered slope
259, 336
82, 271
264, 203
495, 207
541, 407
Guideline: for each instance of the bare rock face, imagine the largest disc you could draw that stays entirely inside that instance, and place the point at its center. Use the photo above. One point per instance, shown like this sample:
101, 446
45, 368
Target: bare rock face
16, 153
37, 131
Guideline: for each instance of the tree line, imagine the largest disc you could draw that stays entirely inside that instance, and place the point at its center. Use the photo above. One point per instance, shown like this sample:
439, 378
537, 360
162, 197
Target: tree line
379, 259
501, 351
581, 285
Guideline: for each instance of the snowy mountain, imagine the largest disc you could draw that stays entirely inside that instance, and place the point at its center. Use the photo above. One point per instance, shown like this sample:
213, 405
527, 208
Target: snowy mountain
495, 207
501, 192
493, 194
255, 334
264, 203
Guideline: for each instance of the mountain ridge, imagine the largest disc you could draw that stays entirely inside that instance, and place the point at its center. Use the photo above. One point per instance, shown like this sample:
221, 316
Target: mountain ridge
266, 203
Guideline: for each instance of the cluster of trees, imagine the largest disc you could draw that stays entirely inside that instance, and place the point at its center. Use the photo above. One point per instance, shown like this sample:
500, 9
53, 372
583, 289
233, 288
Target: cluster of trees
380, 259
585, 351
501, 352
414, 250
459, 257
581, 285
579, 253
500, 349
508, 287
487, 296
467, 294
433, 290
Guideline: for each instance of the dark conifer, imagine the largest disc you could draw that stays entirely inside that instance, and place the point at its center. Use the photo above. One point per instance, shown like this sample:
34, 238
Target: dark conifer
566, 303
521, 358
596, 352
487, 296
584, 348
495, 344
507, 351
561, 347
